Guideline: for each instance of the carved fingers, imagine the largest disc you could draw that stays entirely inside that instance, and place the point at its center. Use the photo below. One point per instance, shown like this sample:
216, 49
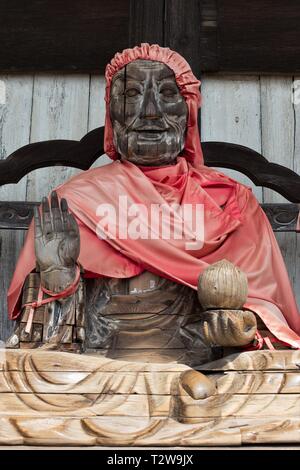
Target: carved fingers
56, 213
57, 240
54, 218
46, 218
228, 328
37, 223
69, 223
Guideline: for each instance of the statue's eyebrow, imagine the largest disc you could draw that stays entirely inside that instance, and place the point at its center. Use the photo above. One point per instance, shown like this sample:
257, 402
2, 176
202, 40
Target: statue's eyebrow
118, 76
163, 76
168, 75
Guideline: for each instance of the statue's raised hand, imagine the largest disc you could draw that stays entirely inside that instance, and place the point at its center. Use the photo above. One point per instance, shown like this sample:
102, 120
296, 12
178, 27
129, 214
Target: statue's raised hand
57, 243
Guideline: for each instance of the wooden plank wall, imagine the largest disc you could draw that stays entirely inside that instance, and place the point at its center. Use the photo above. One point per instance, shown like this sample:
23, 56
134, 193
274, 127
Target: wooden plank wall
254, 111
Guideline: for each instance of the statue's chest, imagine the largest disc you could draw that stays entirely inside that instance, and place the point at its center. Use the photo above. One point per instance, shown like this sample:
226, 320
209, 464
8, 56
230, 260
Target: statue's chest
145, 318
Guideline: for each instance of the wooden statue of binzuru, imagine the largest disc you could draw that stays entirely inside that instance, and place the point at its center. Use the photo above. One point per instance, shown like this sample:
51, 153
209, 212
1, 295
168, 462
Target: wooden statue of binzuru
154, 258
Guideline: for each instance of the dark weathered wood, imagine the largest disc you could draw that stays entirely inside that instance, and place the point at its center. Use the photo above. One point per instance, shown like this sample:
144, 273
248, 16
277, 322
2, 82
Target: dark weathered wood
170, 23
183, 31
259, 36
10, 245
16, 215
252, 164
146, 22
208, 59
223, 35
282, 217
76, 154
69, 35
213, 35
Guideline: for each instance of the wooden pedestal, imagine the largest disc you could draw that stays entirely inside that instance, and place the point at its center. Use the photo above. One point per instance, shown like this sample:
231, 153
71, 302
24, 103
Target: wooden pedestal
57, 398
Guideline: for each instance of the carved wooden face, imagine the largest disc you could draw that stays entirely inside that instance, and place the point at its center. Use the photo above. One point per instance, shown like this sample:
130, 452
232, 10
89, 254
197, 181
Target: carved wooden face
148, 114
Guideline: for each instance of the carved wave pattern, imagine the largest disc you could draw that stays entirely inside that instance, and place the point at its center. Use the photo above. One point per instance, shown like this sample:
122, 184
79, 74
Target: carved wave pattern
16, 214
57, 398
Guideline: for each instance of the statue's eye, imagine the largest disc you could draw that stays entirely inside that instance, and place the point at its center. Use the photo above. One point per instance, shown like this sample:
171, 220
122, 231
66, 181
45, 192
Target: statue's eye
130, 92
168, 92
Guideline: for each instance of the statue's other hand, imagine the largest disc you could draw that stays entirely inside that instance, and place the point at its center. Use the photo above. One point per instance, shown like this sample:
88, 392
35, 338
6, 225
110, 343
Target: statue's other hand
228, 328
57, 240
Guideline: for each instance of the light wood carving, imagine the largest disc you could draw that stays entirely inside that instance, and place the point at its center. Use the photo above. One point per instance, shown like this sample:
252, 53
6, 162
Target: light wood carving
222, 285
56, 398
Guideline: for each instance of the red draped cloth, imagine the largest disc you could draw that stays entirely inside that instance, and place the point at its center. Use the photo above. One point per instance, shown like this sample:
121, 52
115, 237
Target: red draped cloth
235, 227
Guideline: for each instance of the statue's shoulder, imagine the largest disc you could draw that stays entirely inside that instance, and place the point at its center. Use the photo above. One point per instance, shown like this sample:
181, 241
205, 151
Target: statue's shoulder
216, 177
103, 173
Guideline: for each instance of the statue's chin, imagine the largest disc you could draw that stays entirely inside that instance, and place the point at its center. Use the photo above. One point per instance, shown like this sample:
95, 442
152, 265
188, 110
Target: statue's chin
151, 152
151, 160
151, 147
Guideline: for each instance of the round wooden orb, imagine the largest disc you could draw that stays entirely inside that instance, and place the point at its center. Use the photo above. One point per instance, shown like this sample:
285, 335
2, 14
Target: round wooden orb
222, 285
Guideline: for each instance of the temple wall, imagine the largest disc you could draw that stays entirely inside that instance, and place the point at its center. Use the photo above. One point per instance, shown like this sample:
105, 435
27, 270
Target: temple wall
253, 111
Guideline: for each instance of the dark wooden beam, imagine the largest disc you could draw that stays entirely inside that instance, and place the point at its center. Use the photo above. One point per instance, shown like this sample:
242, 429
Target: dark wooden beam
183, 33
15, 215
282, 217
252, 164
146, 23
183, 30
251, 36
208, 57
56, 35
72, 153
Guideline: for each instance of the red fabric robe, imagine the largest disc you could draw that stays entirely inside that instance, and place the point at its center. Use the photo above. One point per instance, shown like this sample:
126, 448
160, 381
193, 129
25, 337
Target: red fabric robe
238, 231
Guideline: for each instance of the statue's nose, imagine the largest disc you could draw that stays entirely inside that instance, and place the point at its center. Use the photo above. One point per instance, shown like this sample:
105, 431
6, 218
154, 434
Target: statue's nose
151, 107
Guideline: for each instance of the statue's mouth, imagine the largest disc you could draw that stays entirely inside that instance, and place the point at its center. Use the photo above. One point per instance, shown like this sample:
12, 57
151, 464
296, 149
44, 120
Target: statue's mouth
153, 132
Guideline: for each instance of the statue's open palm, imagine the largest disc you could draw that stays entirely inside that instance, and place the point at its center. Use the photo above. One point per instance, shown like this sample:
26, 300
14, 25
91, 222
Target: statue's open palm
57, 241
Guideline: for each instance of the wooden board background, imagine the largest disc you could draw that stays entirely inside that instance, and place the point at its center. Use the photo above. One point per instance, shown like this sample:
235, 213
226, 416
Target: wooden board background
254, 111
69, 35
253, 36
257, 35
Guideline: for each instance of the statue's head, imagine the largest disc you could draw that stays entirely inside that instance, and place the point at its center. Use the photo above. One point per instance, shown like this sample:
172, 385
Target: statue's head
148, 113
152, 101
